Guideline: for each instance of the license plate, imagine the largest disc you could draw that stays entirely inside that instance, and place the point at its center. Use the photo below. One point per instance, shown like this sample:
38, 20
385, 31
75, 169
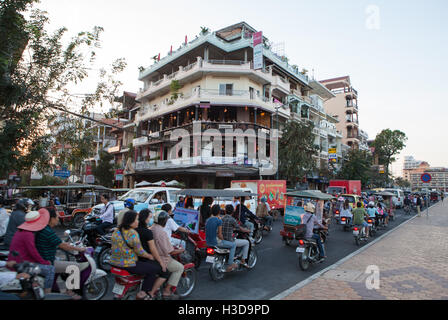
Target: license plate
118, 289
370, 224
300, 250
355, 233
98, 249
210, 259
342, 222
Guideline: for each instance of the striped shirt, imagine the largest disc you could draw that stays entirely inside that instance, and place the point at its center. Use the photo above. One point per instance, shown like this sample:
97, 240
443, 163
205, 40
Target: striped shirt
47, 243
229, 224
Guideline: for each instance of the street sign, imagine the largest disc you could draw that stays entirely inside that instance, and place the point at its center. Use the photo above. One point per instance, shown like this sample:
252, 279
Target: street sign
90, 179
332, 150
332, 156
425, 177
61, 173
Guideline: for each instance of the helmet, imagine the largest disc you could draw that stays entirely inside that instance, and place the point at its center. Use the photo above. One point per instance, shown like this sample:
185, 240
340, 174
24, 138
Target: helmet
341, 199
161, 218
309, 207
23, 204
129, 203
371, 204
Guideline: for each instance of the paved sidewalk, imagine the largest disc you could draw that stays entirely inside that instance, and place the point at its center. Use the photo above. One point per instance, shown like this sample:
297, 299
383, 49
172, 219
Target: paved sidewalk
412, 261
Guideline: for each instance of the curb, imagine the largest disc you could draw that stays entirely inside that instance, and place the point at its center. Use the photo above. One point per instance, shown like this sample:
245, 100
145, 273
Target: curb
303, 283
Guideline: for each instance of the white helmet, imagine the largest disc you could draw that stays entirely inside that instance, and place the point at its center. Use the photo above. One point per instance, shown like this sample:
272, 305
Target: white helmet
310, 207
371, 204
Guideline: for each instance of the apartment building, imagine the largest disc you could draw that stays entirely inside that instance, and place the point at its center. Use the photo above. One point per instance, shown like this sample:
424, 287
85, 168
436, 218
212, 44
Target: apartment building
211, 85
410, 164
344, 107
439, 178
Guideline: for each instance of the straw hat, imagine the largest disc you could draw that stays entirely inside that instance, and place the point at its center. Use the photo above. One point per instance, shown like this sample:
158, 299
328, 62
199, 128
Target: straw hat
35, 220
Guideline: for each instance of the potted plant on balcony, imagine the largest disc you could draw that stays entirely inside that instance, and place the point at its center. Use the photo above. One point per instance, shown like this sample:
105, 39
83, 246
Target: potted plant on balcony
204, 31
174, 88
304, 71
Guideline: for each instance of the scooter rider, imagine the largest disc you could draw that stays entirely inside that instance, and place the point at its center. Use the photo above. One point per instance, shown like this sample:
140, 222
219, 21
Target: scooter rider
311, 220
244, 214
107, 215
358, 217
229, 224
373, 212
128, 205
16, 219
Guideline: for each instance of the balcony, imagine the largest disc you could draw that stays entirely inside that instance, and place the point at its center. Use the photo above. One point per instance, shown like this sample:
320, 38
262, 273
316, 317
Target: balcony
212, 96
281, 84
196, 70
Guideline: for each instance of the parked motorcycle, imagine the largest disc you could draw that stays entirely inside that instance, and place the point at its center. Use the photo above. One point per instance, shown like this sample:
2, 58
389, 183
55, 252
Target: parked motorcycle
218, 257
308, 251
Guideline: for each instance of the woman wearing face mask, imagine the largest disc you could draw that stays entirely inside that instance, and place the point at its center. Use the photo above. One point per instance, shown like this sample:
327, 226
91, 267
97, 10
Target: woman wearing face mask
145, 220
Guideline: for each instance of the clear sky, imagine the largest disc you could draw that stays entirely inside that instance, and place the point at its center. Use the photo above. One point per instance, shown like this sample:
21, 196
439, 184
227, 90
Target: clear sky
394, 51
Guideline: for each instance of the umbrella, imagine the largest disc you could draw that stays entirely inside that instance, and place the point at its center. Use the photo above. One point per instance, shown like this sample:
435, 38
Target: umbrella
143, 184
310, 194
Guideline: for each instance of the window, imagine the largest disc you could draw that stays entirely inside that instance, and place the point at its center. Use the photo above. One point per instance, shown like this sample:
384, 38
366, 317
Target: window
251, 93
226, 89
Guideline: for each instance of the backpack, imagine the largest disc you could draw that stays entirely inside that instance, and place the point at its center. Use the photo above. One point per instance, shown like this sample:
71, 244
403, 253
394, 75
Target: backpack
301, 229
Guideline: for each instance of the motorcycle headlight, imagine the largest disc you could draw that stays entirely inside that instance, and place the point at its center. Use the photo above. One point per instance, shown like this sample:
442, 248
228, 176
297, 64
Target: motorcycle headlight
36, 270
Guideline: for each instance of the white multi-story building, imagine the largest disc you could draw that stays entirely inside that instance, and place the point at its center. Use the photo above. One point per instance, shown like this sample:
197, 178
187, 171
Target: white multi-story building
409, 165
211, 83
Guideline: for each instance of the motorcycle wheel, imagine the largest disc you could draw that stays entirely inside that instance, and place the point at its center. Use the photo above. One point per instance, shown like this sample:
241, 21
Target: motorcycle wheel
96, 289
304, 263
104, 258
287, 241
258, 236
187, 283
78, 220
215, 270
252, 259
357, 241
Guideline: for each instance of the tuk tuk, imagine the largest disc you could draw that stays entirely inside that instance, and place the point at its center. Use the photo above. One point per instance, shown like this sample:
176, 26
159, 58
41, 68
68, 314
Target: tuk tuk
220, 197
294, 212
387, 202
87, 196
434, 196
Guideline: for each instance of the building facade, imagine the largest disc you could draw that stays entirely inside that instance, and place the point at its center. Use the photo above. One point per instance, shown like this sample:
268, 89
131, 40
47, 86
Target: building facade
344, 107
439, 178
210, 87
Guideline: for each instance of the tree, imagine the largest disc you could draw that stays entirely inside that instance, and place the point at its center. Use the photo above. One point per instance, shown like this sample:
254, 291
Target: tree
402, 183
356, 167
36, 72
103, 172
388, 144
296, 147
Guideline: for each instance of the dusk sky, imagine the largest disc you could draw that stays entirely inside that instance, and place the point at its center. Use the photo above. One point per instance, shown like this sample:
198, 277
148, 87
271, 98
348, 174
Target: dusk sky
394, 51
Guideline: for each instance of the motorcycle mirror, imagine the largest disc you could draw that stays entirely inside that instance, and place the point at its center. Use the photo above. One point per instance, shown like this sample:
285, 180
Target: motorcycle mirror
67, 232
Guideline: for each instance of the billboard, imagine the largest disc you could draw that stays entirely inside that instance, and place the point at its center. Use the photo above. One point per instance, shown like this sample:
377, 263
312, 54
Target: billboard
187, 218
258, 50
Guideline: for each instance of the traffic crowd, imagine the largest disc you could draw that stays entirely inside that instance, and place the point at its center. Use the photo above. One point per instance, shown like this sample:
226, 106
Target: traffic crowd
142, 243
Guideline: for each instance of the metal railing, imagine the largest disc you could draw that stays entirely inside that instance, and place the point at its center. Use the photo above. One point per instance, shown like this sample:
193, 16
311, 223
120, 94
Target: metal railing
227, 62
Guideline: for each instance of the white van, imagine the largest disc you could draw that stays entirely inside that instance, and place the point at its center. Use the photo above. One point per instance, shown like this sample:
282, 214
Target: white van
398, 199
146, 198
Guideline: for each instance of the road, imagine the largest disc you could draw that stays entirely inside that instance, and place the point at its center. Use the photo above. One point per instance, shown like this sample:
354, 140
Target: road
277, 268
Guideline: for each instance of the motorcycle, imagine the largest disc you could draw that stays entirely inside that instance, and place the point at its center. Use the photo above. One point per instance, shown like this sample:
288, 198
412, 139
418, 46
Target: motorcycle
346, 223
88, 236
128, 285
94, 282
359, 234
218, 257
308, 251
194, 248
258, 229
372, 226
31, 288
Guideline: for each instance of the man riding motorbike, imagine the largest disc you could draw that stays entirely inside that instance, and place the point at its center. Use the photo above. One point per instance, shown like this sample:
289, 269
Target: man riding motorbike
244, 215
262, 212
229, 224
310, 221
107, 215
358, 218
373, 212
